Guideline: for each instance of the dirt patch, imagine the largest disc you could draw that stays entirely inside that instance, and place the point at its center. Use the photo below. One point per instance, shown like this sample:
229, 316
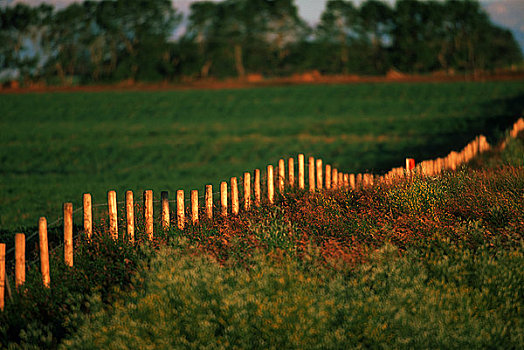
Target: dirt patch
256, 80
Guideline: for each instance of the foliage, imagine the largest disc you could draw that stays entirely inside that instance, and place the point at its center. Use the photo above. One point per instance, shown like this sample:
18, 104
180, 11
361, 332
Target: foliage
39, 317
452, 298
131, 40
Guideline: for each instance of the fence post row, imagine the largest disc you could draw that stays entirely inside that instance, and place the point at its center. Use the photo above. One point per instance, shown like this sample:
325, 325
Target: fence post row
333, 179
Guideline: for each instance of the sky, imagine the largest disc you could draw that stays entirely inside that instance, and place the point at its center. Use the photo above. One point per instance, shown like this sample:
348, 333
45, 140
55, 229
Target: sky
506, 13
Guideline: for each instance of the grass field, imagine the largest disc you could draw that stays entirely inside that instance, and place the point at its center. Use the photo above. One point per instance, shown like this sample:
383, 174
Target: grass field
56, 146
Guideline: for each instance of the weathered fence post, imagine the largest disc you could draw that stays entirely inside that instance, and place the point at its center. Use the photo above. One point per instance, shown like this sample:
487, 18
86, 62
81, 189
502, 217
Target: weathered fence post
209, 201
257, 190
311, 174
367, 180
223, 198
234, 196
68, 234
88, 216
148, 213
2, 276
328, 177
165, 210
180, 209
410, 165
346, 182
44, 251
281, 175
301, 180
247, 191
334, 178
130, 214
19, 259
113, 221
352, 182
270, 184
340, 180
291, 172
194, 207
319, 174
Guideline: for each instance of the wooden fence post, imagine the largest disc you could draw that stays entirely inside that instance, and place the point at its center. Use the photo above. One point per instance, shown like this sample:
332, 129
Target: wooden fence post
247, 191
257, 190
346, 182
328, 177
281, 176
88, 216
209, 201
2, 276
68, 234
334, 178
164, 195
410, 165
234, 196
367, 180
180, 209
352, 182
358, 180
319, 174
113, 221
311, 174
291, 172
194, 207
301, 182
340, 180
44, 251
19, 259
223, 198
130, 214
148, 213
270, 184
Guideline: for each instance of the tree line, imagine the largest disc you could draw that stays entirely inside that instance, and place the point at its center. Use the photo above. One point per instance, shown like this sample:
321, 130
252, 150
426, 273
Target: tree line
108, 40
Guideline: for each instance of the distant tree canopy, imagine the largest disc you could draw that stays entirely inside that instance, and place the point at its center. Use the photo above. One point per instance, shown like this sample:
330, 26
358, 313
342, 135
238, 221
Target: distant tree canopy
115, 40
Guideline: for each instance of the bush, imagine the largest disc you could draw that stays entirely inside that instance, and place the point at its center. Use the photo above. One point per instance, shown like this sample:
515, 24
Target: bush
39, 317
452, 300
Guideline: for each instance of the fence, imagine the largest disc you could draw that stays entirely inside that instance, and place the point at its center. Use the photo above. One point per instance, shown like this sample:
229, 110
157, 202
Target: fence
319, 177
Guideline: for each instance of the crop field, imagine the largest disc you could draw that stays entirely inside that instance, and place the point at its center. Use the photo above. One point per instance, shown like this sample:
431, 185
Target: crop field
56, 146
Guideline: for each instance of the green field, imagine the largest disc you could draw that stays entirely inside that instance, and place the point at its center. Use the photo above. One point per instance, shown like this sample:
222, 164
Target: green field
56, 146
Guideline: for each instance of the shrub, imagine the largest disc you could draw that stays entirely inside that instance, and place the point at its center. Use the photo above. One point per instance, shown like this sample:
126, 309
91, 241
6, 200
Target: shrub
452, 300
